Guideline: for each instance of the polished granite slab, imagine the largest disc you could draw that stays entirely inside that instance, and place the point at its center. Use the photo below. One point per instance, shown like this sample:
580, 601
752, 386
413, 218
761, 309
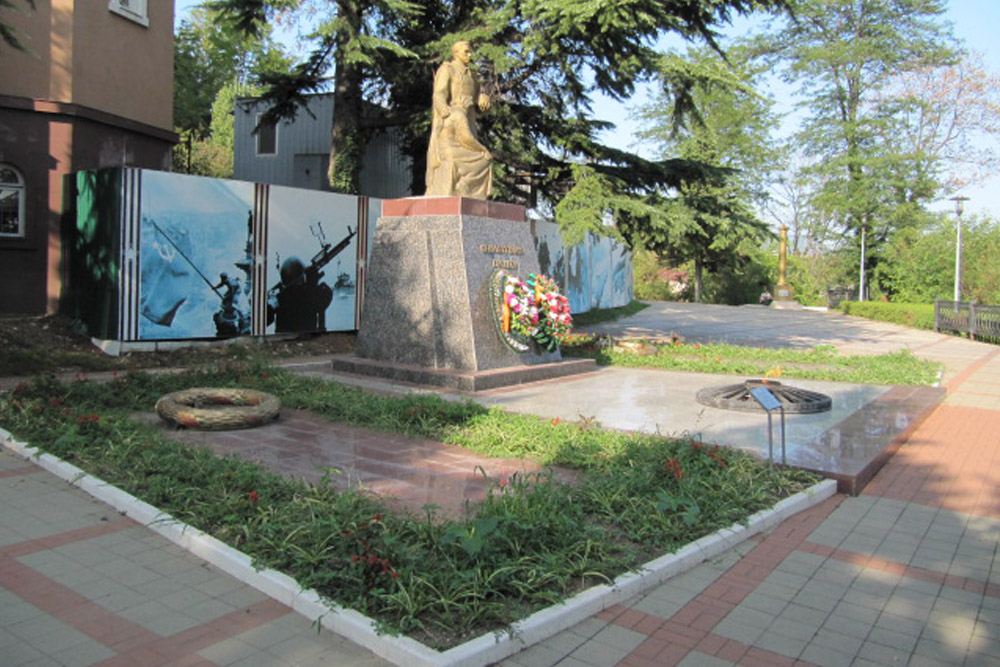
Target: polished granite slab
849, 443
412, 474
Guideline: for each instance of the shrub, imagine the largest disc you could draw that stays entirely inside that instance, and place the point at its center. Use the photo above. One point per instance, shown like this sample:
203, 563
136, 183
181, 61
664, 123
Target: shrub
916, 315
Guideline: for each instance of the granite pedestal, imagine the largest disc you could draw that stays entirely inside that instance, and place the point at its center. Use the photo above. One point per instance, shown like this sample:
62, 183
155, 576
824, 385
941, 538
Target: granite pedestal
428, 312
784, 298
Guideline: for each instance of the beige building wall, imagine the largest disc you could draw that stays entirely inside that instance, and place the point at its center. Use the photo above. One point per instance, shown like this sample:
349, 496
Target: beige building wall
95, 90
83, 53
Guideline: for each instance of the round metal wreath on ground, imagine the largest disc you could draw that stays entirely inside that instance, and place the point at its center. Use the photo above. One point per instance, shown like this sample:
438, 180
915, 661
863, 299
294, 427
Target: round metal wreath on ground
214, 409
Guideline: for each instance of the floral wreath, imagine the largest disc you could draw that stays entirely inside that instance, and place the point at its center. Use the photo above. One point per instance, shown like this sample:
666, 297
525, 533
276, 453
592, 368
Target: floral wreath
529, 310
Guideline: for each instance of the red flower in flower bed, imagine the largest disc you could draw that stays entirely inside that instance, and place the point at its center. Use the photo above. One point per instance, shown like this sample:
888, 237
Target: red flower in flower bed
673, 466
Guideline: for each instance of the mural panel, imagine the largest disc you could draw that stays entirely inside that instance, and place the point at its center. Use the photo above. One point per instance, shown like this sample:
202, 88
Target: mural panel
311, 261
621, 275
551, 252
163, 256
196, 240
95, 257
594, 274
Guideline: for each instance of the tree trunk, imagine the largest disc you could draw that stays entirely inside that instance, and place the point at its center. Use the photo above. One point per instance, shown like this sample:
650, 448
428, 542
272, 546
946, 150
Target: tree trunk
346, 144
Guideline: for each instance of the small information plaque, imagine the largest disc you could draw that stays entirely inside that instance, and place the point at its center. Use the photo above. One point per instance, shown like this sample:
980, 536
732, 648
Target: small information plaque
765, 398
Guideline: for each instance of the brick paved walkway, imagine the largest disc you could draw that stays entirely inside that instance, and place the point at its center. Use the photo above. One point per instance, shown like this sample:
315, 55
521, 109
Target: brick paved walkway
907, 573
413, 472
81, 585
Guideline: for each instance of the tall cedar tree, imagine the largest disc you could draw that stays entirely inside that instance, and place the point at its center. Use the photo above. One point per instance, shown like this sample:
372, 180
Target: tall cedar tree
347, 38
843, 55
710, 223
541, 60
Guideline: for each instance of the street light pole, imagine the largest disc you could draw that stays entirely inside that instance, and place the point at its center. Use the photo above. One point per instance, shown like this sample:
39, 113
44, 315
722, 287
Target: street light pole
959, 205
861, 271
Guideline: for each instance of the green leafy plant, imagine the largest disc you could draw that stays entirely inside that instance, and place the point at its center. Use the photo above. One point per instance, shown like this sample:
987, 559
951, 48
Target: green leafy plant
532, 542
471, 537
688, 509
916, 315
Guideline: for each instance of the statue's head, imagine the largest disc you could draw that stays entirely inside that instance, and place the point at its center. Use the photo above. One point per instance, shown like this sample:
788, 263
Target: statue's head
462, 51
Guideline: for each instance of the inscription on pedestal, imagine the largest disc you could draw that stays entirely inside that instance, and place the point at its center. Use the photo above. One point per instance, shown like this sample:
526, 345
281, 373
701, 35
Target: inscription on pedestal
502, 262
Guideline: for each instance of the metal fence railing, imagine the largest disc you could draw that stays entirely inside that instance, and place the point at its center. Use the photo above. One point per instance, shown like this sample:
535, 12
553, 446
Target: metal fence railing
976, 320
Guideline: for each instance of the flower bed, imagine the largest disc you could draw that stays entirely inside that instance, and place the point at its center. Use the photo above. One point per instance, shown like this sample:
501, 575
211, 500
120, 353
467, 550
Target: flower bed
534, 541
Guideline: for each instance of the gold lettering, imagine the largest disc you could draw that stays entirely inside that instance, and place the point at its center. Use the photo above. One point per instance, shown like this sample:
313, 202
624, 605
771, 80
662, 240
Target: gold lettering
505, 264
501, 249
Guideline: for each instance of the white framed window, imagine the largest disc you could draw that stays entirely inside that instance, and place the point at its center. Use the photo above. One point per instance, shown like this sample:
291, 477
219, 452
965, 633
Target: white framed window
11, 202
134, 10
267, 137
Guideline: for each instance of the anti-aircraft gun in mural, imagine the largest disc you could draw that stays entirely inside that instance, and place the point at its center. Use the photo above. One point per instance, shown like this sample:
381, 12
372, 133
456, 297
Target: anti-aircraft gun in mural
298, 301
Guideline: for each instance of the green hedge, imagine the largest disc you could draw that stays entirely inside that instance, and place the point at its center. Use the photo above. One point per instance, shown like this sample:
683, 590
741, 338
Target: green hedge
916, 315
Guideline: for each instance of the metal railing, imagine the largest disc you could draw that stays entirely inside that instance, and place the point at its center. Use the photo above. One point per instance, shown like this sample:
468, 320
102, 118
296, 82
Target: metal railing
976, 320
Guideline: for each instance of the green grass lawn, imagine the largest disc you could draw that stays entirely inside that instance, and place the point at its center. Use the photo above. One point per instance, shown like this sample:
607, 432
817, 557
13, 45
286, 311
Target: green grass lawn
819, 363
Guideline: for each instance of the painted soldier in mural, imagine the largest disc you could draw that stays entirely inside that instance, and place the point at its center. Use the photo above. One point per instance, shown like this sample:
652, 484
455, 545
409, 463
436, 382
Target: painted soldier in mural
457, 164
299, 301
231, 319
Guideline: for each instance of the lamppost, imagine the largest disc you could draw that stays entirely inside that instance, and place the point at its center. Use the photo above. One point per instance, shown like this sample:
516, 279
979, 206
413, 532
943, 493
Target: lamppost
959, 205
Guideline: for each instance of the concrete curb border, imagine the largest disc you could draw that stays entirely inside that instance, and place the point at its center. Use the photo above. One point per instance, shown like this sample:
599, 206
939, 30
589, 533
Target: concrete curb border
483, 650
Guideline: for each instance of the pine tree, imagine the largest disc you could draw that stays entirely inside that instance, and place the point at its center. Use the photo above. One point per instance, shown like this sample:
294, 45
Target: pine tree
709, 221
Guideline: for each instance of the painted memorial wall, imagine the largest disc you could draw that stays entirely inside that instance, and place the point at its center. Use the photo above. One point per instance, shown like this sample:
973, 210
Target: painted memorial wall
158, 256
594, 274
163, 256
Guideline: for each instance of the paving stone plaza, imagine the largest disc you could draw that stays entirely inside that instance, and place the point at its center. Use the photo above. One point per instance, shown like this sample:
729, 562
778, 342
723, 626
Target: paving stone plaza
905, 573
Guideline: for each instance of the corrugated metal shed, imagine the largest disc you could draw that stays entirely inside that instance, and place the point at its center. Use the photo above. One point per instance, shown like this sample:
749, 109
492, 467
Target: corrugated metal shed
302, 149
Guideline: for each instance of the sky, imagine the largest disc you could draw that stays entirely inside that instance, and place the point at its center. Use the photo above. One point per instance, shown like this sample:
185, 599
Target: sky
974, 22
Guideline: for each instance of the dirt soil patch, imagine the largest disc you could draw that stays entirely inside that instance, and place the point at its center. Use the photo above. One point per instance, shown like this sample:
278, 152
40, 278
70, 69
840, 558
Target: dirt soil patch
30, 345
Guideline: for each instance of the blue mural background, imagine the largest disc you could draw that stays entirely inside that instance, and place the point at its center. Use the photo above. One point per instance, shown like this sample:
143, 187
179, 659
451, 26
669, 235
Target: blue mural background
159, 256
596, 273
192, 231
